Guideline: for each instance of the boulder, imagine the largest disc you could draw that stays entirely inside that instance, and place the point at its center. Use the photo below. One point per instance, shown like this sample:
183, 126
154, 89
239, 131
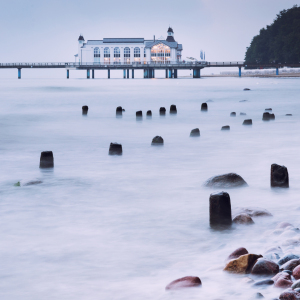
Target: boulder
279, 176
149, 113
173, 109
139, 113
119, 110
263, 283
283, 275
185, 282
242, 114
283, 283
289, 294
204, 107
252, 211
290, 265
226, 127
247, 122
272, 117
115, 149
162, 111
243, 219
195, 132
237, 253
243, 264
289, 115
229, 180
158, 140
268, 109
246, 89
265, 267
85, 109
233, 114
296, 284
46, 159
296, 273
266, 116
220, 210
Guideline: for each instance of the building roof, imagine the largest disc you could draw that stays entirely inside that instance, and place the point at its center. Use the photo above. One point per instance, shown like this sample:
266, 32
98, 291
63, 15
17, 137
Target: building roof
152, 43
81, 38
170, 30
170, 38
123, 40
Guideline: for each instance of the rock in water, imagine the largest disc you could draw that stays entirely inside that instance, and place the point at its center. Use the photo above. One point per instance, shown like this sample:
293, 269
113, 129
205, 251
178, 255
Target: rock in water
85, 109
119, 110
204, 107
266, 116
296, 272
243, 219
220, 210
233, 114
289, 115
237, 253
252, 211
17, 183
246, 89
158, 140
272, 117
265, 267
289, 294
123, 109
290, 265
287, 258
226, 127
139, 113
268, 109
173, 109
230, 180
263, 283
33, 182
296, 284
279, 176
195, 132
47, 160
243, 264
185, 282
149, 113
247, 122
162, 111
115, 149
242, 114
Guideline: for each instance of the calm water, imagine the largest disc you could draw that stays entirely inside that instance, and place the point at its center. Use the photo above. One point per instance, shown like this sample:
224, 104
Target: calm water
123, 227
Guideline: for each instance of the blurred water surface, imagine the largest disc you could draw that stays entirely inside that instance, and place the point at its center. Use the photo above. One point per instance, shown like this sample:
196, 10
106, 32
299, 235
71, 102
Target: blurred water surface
123, 227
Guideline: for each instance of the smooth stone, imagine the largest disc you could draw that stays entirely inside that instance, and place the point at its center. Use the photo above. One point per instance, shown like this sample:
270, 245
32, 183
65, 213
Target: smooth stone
296, 273
243, 219
195, 132
284, 225
283, 283
290, 265
204, 107
185, 282
243, 264
279, 176
265, 267
85, 109
247, 122
162, 111
115, 149
220, 210
289, 115
158, 140
263, 282
233, 114
268, 109
237, 253
33, 182
173, 109
273, 249
297, 290
272, 117
258, 296
283, 275
230, 180
296, 284
289, 294
288, 272
246, 89
247, 280
272, 256
266, 116
139, 113
149, 113
287, 258
46, 159
252, 211
226, 127
242, 114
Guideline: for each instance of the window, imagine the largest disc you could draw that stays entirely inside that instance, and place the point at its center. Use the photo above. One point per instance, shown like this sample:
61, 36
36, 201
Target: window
137, 52
144, 52
117, 55
97, 55
127, 55
160, 53
107, 55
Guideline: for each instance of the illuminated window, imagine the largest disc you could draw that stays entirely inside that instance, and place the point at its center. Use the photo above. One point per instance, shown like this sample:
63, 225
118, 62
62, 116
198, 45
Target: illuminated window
160, 53
117, 52
106, 55
127, 55
97, 55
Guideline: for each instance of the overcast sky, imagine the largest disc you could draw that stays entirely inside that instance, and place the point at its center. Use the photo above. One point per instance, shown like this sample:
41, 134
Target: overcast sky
48, 30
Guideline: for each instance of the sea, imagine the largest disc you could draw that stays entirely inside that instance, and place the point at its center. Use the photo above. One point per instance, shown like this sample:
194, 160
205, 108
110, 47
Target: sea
108, 227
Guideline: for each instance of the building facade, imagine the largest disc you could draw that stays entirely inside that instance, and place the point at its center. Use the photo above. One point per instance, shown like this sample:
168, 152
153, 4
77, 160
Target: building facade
129, 50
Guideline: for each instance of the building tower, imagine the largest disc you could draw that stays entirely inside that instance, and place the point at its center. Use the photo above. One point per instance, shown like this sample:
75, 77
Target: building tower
170, 37
80, 44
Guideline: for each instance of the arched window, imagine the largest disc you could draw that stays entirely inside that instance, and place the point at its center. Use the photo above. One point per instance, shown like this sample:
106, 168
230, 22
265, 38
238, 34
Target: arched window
126, 52
160, 53
97, 55
106, 55
144, 52
117, 55
137, 52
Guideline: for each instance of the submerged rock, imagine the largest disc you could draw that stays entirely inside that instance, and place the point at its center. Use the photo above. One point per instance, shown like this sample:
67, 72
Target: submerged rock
233, 114
287, 258
123, 109
204, 107
263, 283
185, 282
289, 115
115, 149
226, 127
279, 176
266, 116
290, 265
283, 275
195, 132
85, 109
283, 225
229, 180
242, 114
252, 211
243, 219
247, 122
173, 109
246, 89
237, 253
265, 267
243, 264
283, 283
33, 182
46, 159
158, 140
219, 210
296, 273
289, 294
296, 284
243, 101
268, 109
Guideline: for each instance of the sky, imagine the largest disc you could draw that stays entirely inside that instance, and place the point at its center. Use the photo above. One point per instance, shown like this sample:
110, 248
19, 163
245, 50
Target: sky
48, 30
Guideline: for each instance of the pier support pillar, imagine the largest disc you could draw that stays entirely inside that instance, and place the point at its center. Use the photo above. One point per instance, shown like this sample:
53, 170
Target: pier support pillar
124, 73
170, 73
196, 73
108, 73
88, 73
151, 73
93, 73
19, 73
145, 73
167, 73
175, 73
127, 73
277, 71
240, 71
68, 74
132, 73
